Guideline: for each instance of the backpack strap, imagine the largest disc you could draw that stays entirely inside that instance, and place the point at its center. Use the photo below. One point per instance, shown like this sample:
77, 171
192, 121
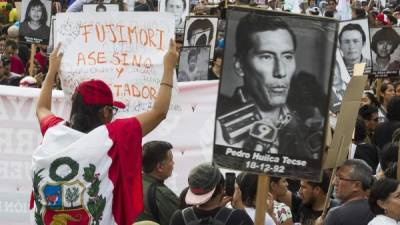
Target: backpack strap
222, 216
151, 200
189, 217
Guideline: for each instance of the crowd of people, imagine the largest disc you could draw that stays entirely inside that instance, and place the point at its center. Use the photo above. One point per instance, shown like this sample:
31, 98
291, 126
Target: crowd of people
365, 186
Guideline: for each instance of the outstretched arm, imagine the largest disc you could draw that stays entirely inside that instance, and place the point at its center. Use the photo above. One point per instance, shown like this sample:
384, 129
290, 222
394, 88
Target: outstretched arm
43, 107
149, 120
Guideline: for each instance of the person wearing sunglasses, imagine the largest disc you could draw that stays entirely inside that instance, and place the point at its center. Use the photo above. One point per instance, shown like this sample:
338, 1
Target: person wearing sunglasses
90, 166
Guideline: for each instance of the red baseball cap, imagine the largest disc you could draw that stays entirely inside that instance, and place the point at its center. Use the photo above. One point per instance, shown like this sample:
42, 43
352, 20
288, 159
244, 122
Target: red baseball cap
96, 92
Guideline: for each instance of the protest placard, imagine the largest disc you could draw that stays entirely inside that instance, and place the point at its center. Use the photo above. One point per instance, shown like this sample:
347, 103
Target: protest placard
273, 97
201, 31
193, 63
35, 21
354, 45
341, 79
100, 7
125, 51
385, 51
179, 9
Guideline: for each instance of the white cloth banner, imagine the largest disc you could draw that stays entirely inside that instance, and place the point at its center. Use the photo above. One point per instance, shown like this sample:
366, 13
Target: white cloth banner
189, 128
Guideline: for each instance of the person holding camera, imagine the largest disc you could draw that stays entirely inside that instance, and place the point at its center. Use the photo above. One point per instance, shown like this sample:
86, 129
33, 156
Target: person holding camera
206, 193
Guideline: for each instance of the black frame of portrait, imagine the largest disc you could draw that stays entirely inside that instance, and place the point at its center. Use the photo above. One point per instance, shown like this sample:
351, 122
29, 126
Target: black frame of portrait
227, 155
214, 38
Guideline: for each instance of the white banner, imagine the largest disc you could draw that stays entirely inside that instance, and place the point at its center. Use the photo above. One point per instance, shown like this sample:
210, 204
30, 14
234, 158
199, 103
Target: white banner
189, 128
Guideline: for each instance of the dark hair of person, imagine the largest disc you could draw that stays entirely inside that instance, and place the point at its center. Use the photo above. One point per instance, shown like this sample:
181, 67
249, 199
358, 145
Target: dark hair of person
324, 184
12, 44
154, 152
183, 1
329, 13
381, 191
395, 84
192, 53
388, 155
248, 186
393, 109
360, 13
366, 111
350, 27
101, 6
385, 34
202, 24
360, 132
35, 3
84, 118
372, 98
391, 171
254, 23
360, 171
384, 87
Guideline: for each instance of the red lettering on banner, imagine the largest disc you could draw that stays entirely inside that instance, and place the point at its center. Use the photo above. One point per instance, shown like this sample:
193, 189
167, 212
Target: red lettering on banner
146, 92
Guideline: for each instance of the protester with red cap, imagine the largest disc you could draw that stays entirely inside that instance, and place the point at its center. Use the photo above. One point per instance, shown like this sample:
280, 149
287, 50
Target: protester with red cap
88, 170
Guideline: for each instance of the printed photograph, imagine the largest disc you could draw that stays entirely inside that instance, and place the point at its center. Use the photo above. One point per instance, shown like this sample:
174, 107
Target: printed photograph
384, 51
341, 79
35, 21
273, 96
354, 45
179, 8
193, 63
201, 31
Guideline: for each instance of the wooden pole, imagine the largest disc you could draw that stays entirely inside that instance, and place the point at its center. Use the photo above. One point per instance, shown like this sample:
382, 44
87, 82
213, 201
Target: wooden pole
378, 87
32, 60
398, 163
261, 199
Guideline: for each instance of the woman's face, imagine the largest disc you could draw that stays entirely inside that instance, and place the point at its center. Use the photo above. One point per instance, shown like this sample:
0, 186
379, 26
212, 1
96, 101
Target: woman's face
389, 93
35, 13
392, 204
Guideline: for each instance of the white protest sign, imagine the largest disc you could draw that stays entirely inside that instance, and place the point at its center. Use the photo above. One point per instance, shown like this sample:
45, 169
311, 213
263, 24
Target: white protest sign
123, 49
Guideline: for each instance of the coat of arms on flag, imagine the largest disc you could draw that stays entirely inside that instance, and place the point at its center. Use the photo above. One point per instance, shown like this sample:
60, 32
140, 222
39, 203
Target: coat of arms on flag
62, 202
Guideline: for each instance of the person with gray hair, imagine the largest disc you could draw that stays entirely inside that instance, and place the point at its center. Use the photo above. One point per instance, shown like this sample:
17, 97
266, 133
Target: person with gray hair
353, 179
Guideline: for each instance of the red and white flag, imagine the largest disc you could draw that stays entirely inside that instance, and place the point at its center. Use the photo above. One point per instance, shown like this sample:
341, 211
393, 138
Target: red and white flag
89, 179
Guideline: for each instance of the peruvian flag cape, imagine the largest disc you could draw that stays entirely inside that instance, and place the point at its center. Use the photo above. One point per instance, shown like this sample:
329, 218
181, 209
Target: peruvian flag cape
91, 179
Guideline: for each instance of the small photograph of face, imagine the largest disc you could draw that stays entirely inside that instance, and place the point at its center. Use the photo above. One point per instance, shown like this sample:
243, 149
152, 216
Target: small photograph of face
385, 51
36, 13
201, 31
353, 42
193, 63
179, 8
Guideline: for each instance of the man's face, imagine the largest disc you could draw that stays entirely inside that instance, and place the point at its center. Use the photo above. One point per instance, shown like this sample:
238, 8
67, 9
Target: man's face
306, 192
344, 185
176, 7
383, 48
269, 66
218, 62
351, 45
168, 165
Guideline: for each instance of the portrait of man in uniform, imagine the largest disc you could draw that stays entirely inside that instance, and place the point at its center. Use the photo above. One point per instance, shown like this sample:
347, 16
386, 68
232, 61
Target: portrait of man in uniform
279, 108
